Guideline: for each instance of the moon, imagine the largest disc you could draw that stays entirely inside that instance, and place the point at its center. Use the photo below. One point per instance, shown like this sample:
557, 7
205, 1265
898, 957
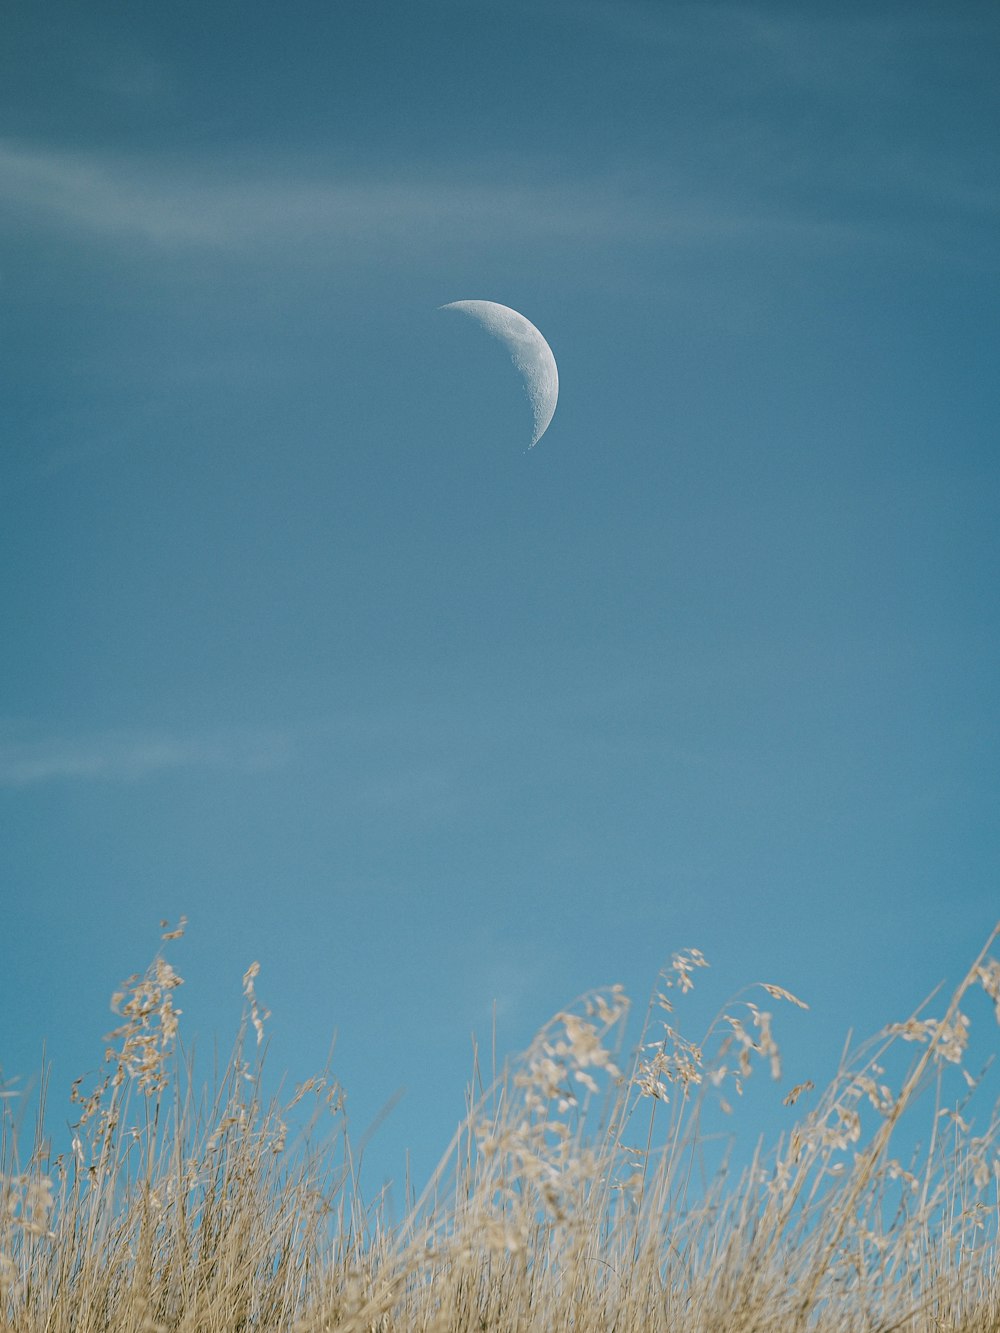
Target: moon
529, 351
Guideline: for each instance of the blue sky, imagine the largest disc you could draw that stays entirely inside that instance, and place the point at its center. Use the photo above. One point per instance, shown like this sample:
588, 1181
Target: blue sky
301, 640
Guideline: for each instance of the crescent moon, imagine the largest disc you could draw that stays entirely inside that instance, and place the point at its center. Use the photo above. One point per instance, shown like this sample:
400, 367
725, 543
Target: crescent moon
529, 351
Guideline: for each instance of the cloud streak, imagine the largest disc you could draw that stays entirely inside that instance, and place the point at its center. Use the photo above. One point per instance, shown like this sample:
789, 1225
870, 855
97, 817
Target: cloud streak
134, 202
131, 756
126, 198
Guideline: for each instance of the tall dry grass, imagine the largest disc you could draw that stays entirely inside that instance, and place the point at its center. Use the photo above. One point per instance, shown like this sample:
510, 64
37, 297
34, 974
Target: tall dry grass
570, 1197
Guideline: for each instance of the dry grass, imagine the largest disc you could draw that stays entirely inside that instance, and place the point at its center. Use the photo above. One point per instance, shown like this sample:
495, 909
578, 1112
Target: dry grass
569, 1199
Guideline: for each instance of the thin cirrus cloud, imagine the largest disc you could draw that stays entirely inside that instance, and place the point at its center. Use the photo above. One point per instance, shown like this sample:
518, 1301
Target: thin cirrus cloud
128, 203
128, 757
125, 201
115, 196
390, 783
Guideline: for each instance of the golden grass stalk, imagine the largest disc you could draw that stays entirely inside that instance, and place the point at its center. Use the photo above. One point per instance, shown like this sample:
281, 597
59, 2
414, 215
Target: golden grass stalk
571, 1196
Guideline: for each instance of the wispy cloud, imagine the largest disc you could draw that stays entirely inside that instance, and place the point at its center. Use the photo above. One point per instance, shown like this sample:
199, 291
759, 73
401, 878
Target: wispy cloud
137, 202
802, 47
198, 205
120, 756
367, 775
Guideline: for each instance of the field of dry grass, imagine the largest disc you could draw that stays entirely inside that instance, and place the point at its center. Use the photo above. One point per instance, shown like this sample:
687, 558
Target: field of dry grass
570, 1197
